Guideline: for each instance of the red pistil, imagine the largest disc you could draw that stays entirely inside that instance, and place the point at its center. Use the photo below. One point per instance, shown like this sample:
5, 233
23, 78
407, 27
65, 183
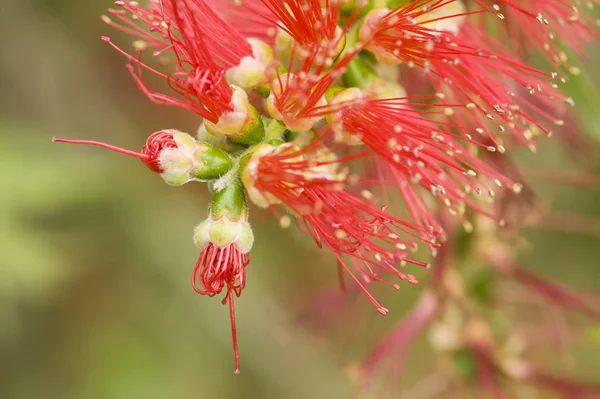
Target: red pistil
149, 154
219, 267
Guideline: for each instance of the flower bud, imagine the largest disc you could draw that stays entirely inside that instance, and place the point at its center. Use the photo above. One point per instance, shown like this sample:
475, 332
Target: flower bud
243, 125
192, 160
447, 18
381, 89
336, 119
249, 175
227, 224
253, 71
231, 122
370, 25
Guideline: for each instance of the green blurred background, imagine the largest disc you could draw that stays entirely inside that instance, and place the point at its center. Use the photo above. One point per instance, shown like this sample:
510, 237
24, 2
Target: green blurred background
96, 252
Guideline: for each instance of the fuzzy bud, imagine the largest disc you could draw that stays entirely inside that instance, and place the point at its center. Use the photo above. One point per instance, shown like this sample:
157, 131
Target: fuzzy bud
250, 173
192, 160
243, 125
370, 26
252, 71
336, 119
447, 18
227, 223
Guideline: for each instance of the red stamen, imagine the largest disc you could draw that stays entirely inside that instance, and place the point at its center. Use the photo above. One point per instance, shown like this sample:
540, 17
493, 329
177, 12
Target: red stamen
217, 268
149, 155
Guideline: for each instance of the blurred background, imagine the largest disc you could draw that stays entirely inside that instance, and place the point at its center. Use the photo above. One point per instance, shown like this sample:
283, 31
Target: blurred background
96, 252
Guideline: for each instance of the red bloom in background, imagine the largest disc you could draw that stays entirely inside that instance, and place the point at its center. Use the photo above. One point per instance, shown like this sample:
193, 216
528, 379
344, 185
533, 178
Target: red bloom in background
548, 27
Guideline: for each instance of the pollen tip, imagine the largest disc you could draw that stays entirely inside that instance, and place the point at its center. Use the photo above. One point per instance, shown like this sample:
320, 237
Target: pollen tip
236, 371
105, 39
382, 310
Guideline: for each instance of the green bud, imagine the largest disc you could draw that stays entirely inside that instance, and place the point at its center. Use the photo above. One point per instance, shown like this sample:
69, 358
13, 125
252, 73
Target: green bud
275, 130
192, 160
253, 130
231, 123
210, 162
222, 232
230, 202
332, 91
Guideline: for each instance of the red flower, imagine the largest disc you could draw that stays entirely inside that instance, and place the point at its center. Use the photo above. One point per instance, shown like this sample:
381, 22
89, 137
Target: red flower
359, 235
225, 239
465, 65
417, 152
203, 44
216, 269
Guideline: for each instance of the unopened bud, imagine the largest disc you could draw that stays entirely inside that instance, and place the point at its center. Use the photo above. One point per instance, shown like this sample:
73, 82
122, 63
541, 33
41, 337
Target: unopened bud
250, 174
192, 160
227, 223
254, 71
243, 125
381, 89
447, 18
371, 24
336, 119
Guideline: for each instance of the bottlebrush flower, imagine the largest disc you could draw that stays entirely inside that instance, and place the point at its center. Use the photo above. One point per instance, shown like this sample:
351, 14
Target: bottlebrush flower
466, 66
358, 234
225, 239
205, 48
417, 149
305, 112
309, 27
